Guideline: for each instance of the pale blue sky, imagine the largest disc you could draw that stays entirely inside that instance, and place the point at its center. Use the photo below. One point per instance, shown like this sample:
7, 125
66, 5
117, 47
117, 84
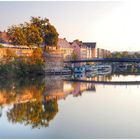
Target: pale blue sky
108, 23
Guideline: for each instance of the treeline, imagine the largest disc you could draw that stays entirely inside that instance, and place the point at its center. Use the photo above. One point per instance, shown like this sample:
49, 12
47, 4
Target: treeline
38, 31
124, 54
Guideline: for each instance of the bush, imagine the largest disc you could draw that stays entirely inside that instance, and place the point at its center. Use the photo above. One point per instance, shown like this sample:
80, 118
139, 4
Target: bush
20, 69
1, 46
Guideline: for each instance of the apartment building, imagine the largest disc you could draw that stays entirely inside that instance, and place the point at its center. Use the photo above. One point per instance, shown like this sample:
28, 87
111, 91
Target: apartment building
65, 47
102, 53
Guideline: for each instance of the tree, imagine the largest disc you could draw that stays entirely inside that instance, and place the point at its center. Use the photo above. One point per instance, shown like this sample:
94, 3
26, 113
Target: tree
48, 32
17, 35
125, 54
10, 55
33, 35
36, 57
74, 56
37, 31
51, 36
117, 55
40, 23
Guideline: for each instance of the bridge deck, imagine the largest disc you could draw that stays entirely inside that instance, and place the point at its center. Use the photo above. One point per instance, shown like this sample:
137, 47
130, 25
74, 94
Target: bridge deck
105, 82
136, 60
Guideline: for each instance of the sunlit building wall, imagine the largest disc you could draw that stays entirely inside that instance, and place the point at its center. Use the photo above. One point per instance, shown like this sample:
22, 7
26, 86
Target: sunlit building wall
64, 46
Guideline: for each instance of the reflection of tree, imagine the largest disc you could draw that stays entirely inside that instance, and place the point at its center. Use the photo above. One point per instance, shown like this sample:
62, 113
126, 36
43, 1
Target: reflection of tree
19, 90
26, 95
20, 84
34, 113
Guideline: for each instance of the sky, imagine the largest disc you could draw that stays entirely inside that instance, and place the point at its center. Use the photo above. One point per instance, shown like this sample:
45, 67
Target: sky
114, 25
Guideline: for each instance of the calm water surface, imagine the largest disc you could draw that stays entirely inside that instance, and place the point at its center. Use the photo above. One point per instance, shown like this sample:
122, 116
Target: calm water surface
54, 108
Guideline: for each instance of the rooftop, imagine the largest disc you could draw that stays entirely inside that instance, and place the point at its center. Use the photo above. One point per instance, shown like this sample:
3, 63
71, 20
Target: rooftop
90, 44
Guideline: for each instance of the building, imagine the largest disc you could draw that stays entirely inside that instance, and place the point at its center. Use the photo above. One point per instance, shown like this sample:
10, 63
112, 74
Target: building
65, 47
16, 51
4, 37
91, 49
84, 50
76, 45
102, 53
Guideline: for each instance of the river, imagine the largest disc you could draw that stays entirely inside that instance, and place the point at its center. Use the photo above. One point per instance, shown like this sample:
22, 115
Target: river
52, 107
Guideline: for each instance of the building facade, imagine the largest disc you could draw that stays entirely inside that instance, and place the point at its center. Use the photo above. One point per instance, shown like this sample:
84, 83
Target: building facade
84, 50
76, 45
102, 53
91, 49
4, 37
65, 47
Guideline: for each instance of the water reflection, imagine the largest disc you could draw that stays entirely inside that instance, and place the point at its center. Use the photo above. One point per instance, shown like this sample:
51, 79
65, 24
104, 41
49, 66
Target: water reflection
36, 113
35, 102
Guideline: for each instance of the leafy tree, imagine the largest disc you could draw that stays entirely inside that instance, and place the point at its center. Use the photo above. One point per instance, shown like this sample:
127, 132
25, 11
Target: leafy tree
51, 36
36, 57
37, 31
17, 35
74, 56
1, 46
109, 55
40, 24
33, 36
117, 55
48, 32
125, 54
10, 55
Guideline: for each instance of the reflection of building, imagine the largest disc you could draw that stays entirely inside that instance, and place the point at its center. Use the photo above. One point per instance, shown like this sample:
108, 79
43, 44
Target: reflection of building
76, 88
59, 89
54, 88
29, 94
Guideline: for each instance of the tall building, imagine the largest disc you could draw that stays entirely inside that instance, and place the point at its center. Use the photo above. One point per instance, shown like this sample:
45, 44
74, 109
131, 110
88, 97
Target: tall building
91, 49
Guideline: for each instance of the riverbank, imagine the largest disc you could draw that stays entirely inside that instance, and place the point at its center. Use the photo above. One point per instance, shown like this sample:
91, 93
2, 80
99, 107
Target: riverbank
20, 69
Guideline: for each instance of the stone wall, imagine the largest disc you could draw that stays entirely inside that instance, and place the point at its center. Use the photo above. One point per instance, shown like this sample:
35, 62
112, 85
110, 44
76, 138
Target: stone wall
17, 51
54, 61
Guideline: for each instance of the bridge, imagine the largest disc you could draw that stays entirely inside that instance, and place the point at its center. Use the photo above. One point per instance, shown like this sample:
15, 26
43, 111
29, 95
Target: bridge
130, 60
105, 82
